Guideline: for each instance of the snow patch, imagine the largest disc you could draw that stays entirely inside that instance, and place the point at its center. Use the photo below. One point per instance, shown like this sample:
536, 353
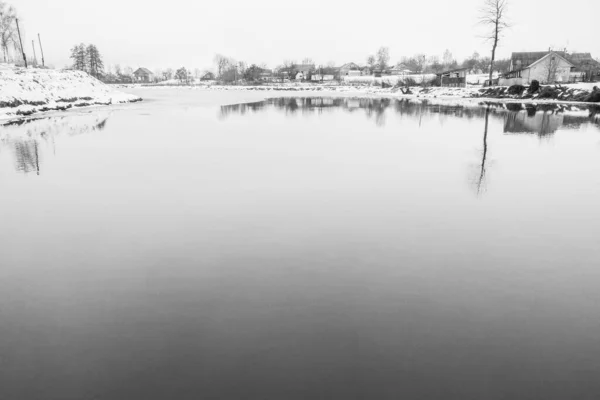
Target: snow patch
28, 91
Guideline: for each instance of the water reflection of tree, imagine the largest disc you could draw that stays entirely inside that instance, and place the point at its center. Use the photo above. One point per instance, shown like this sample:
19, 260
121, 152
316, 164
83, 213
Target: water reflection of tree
482, 171
27, 156
374, 108
518, 118
26, 137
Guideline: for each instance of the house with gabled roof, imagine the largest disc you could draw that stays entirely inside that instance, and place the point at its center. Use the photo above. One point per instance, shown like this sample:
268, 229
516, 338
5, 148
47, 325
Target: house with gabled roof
349, 69
143, 75
586, 68
544, 67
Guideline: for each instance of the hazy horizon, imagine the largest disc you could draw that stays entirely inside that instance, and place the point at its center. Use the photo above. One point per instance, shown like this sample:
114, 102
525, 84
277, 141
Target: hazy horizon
182, 33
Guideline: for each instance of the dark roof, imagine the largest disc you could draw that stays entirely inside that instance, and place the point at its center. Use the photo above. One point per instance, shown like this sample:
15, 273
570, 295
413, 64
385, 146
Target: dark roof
529, 57
452, 71
577, 57
350, 66
142, 71
584, 61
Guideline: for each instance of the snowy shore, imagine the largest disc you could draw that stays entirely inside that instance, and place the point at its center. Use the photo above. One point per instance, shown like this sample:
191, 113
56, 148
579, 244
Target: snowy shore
471, 95
28, 91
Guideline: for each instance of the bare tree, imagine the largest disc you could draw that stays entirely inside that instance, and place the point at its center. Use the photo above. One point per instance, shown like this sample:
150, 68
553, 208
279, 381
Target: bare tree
287, 68
448, 59
551, 68
222, 63
371, 61
493, 17
482, 171
308, 60
8, 16
383, 57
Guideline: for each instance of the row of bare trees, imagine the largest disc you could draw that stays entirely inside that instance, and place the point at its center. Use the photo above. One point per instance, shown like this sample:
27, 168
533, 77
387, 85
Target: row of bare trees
8, 30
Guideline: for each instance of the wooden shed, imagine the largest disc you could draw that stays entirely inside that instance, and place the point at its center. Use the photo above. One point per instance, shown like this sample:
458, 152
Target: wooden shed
454, 78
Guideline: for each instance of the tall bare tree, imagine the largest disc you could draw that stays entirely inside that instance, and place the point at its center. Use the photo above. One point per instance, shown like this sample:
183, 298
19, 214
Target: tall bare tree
383, 57
222, 63
493, 17
371, 61
8, 15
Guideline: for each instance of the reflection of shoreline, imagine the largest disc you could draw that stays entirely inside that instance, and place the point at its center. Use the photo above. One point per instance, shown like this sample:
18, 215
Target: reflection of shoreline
25, 137
541, 122
373, 107
518, 117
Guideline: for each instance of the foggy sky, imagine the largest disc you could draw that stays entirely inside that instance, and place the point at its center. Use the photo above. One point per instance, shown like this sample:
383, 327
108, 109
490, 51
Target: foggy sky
189, 33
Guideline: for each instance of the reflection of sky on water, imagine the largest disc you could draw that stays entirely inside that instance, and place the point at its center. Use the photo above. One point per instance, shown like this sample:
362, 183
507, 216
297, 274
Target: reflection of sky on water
28, 138
280, 256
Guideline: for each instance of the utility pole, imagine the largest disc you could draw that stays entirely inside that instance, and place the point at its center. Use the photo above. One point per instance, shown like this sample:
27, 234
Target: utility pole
34, 56
42, 50
20, 41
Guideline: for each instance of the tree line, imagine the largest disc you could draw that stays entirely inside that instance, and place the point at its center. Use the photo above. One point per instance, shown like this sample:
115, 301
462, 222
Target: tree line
8, 33
87, 58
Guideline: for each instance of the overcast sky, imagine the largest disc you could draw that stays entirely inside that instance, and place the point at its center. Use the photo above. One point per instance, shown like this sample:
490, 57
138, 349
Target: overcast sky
188, 33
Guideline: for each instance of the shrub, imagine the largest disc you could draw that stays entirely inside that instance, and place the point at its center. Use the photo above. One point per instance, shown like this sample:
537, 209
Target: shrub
534, 86
516, 90
548, 92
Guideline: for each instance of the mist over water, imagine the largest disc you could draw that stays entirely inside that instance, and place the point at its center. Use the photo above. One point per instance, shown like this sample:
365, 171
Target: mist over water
296, 248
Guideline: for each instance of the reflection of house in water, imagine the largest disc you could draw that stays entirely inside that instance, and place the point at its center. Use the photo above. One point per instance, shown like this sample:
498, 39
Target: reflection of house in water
541, 122
515, 120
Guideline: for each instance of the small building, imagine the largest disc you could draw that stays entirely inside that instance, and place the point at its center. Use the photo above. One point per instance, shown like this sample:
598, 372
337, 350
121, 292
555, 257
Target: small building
453, 78
305, 69
349, 69
552, 67
208, 76
265, 75
400, 69
585, 67
143, 75
319, 77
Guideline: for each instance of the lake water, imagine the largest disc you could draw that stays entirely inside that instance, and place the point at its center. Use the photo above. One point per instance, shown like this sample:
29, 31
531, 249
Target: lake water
300, 248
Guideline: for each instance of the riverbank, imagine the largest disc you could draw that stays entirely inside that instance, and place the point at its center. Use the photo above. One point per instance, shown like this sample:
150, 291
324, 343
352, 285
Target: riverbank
566, 94
25, 92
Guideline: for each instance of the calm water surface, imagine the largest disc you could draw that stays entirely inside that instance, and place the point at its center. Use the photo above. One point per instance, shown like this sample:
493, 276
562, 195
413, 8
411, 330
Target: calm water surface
300, 248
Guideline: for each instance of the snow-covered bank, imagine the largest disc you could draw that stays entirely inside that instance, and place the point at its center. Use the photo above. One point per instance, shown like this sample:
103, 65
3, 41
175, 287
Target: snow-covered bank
28, 91
474, 95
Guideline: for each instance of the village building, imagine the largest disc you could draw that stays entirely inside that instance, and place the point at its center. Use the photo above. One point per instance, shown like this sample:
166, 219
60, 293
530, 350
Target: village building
322, 78
208, 76
400, 69
585, 67
349, 69
454, 78
143, 75
265, 75
305, 69
551, 67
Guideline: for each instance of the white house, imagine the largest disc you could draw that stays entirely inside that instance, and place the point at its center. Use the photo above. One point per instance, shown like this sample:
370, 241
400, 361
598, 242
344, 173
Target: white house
550, 68
324, 77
